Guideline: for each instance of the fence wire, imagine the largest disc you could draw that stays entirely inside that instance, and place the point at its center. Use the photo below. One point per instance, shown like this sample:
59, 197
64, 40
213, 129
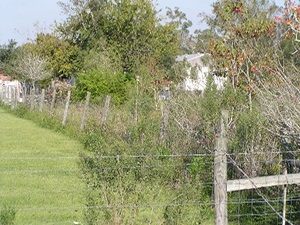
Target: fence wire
138, 189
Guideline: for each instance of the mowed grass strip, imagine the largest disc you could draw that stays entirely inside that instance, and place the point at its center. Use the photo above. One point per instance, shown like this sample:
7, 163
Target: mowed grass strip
39, 173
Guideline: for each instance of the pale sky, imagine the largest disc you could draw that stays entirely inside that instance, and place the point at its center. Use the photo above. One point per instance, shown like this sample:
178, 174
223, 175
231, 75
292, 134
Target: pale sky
22, 19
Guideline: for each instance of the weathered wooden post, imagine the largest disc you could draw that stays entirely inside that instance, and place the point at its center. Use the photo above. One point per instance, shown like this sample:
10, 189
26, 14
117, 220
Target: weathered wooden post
105, 110
88, 95
165, 107
42, 99
13, 97
24, 93
284, 198
6, 94
32, 95
66, 109
220, 174
53, 101
135, 116
17, 96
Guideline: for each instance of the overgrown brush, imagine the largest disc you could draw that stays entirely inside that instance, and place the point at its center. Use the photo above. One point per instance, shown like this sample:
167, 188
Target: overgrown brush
152, 160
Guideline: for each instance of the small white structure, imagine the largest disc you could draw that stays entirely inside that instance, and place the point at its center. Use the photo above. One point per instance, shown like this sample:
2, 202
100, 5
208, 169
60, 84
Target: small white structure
9, 90
197, 79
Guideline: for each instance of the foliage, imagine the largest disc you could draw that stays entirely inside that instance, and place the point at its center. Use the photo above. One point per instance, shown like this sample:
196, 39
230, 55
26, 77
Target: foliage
101, 83
182, 24
288, 26
115, 178
123, 49
289, 51
128, 170
256, 142
101, 60
7, 54
244, 34
131, 29
201, 40
290, 19
64, 59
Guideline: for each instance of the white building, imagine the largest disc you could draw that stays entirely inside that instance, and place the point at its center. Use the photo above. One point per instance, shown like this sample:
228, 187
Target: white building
197, 80
9, 89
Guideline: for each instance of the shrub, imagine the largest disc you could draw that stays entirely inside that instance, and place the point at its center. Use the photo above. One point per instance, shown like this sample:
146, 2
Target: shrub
101, 83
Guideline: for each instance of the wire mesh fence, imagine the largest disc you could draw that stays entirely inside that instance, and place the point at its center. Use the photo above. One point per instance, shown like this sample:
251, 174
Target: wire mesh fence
156, 189
128, 189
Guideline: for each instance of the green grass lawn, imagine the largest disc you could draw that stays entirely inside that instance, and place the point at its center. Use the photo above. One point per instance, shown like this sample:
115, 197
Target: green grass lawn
39, 173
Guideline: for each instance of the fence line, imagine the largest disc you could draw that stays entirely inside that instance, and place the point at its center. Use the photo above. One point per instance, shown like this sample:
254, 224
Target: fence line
65, 115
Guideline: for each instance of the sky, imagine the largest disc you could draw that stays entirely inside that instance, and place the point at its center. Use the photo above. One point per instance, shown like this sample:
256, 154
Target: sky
22, 19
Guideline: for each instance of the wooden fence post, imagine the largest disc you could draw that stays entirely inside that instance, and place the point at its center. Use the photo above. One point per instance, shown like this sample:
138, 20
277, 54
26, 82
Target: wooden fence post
105, 109
32, 93
53, 101
17, 97
13, 97
24, 93
164, 118
66, 109
284, 197
135, 116
42, 99
88, 95
220, 174
6, 94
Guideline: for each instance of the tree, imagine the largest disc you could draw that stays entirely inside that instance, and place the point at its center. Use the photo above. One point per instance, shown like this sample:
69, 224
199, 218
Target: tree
280, 100
288, 22
63, 58
290, 18
201, 40
31, 66
244, 36
130, 29
7, 54
182, 25
85, 20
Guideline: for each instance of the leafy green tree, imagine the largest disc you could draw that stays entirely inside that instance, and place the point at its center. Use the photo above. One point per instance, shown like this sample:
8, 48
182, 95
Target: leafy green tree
85, 19
7, 54
201, 40
130, 28
63, 58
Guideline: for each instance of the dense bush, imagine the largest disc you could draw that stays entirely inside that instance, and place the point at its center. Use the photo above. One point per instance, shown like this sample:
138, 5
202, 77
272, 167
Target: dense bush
101, 83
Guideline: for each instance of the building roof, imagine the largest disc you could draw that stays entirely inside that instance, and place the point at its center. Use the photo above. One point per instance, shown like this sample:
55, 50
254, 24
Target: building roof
3, 77
192, 59
189, 57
